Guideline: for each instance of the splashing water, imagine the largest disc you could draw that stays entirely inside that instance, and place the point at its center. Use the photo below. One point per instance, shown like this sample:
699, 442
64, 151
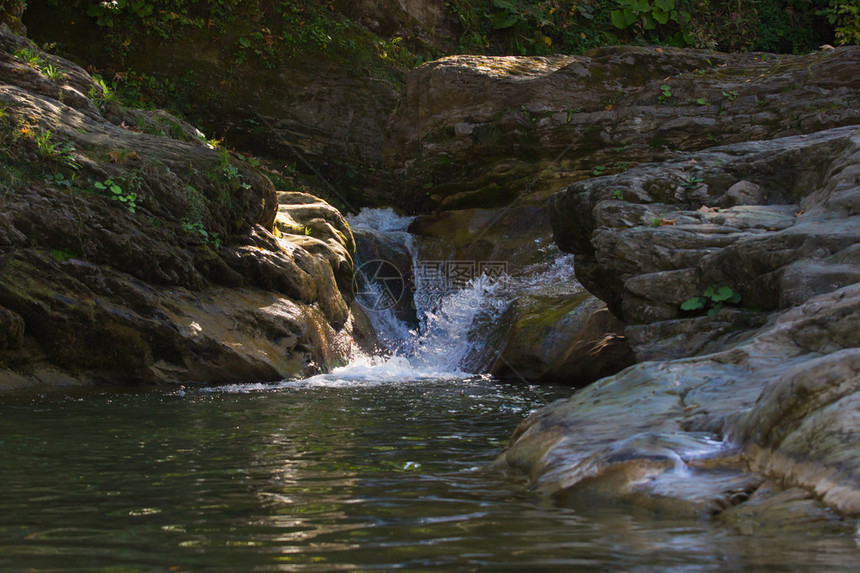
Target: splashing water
436, 348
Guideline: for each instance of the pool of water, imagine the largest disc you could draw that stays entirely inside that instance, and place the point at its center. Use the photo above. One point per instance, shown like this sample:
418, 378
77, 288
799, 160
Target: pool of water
324, 475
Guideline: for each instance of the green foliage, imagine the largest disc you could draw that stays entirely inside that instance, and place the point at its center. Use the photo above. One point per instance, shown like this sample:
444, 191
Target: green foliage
656, 19
845, 16
36, 60
712, 299
115, 192
692, 183
102, 94
618, 195
56, 154
197, 229
665, 94
531, 27
598, 170
731, 95
230, 171
31, 57
539, 27
63, 255
58, 179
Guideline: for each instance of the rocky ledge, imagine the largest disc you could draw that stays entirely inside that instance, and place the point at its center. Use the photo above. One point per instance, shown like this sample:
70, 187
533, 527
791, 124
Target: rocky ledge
132, 252
738, 271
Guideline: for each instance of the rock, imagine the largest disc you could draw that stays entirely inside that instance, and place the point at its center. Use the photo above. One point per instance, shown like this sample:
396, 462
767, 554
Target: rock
11, 329
800, 241
562, 339
780, 510
10, 15
477, 131
782, 402
743, 193
137, 257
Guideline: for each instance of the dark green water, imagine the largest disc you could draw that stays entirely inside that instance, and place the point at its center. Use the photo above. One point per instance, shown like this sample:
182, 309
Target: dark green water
309, 477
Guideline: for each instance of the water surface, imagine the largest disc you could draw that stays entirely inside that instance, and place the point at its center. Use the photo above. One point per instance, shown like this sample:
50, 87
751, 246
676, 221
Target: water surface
320, 475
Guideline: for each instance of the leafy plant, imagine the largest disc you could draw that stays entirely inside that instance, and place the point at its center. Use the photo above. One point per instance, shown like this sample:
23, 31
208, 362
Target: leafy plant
598, 170
731, 95
692, 183
31, 57
845, 15
102, 94
713, 299
55, 153
230, 171
648, 15
63, 255
58, 179
44, 145
196, 228
618, 195
665, 94
115, 192
52, 73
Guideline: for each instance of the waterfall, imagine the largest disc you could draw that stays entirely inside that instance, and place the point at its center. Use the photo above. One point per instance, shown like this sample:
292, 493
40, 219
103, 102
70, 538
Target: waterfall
446, 313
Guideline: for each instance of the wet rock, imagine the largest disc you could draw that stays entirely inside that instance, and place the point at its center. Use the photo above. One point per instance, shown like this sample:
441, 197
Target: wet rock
566, 339
772, 508
783, 401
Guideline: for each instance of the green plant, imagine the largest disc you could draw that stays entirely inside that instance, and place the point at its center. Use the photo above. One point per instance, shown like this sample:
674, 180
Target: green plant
665, 94
618, 195
713, 299
115, 192
44, 145
58, 179
31, 57
63, 255
103, 95
52, 73
845, 16
598, 170
55, 153
731, 95
701, 101
692, 183
230, 171
649, 15
196, 228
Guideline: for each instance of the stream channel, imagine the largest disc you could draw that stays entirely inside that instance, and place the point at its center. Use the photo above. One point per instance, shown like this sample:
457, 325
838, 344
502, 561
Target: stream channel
380, 464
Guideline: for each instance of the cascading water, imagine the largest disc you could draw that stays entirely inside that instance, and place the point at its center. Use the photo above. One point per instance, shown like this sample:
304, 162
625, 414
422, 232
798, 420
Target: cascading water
437, 345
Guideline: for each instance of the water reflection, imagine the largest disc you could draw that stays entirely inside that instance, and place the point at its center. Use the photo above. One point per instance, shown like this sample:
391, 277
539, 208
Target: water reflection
325, 478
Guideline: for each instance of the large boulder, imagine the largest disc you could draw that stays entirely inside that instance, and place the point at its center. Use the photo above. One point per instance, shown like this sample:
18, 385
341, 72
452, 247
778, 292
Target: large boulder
651, 238
483, 131
130, 256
